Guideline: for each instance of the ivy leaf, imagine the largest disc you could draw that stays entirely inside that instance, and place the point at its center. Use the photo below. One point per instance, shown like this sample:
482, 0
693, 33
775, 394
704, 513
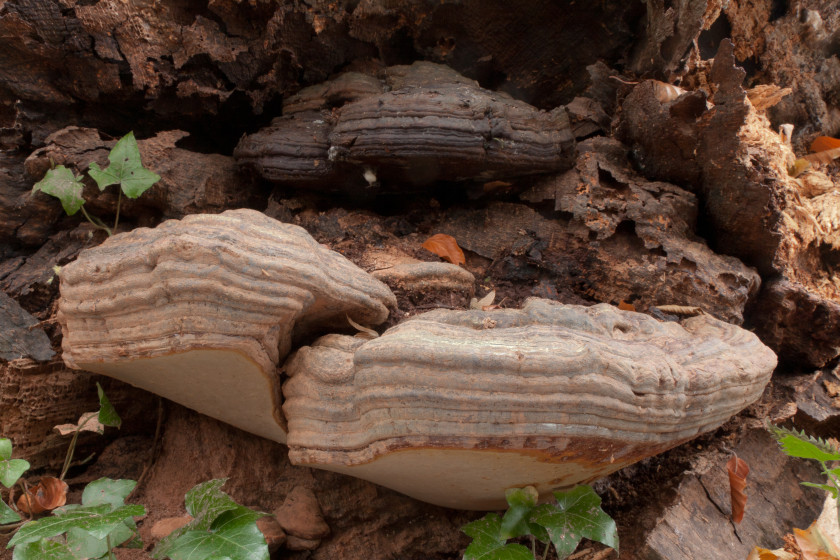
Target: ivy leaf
827, 487
84, 545
107, 415
516, 521
11, 470
96, 520
234, 535
107, 491
206, 501
5, 449
207, 504
488, 543
125, 169
577, 514
43, 550
65, 186
7, 514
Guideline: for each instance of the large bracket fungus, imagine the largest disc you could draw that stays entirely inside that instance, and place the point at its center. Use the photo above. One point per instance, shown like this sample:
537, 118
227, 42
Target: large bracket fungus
453, 407
202, 310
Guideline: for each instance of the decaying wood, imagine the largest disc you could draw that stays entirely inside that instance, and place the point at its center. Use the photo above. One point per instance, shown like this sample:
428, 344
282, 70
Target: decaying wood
453, 407
699, 517
20, 336
202, 310
740, 171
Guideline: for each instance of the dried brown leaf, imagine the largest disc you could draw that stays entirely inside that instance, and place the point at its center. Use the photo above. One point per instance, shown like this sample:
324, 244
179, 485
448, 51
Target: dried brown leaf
483, 303
445, 247
824, 143
47, 495
666, 92
826, 156
624, 306
370, 332
89, 422
765, 96
687, 310
738, 471
811, 544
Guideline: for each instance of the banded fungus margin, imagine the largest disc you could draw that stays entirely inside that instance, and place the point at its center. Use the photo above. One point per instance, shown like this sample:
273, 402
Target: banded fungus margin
454, 407
202, 310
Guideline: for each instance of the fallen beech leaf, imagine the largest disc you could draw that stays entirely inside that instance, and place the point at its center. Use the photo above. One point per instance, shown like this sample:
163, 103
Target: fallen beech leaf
445, 247
624, 306
372, 333
666, 92
47, 495
824, 143
765, 96
738, 471
688, 310
759, 553
484, 302
89, 421
493, 185
826, 156
812, 544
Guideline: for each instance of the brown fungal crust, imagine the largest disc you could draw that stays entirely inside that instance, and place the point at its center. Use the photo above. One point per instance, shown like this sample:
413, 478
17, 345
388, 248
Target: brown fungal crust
550, 395
202, 310
433, 125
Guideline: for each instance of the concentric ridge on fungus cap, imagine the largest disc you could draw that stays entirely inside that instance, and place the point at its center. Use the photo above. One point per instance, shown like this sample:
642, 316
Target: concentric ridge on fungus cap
202, 310
453, 407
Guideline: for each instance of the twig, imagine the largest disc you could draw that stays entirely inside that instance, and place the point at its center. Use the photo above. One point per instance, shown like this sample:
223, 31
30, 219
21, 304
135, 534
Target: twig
155, 442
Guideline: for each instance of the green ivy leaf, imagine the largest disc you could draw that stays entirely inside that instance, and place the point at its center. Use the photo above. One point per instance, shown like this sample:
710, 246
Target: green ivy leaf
96, 520
65, 186
488, 543
107, 491
234, 535
516, 521
125, 169
11, 470
827, 487
84, 545
797, 447
107, 415
7, 514
103, 491
5, 449
577, 514
206, 503
43, 550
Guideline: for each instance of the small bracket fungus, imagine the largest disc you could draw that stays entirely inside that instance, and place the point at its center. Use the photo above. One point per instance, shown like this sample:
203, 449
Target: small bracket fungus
422, 124
453, 407
202, 310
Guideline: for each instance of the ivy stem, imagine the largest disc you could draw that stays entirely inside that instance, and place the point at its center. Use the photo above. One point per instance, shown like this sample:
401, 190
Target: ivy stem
108, 544
545, 552
117, 218
70, 450
533, 546
97, 222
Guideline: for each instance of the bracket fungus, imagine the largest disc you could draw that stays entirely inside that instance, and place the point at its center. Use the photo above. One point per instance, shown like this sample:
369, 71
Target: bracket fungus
424, 123
202, 310
453, 407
